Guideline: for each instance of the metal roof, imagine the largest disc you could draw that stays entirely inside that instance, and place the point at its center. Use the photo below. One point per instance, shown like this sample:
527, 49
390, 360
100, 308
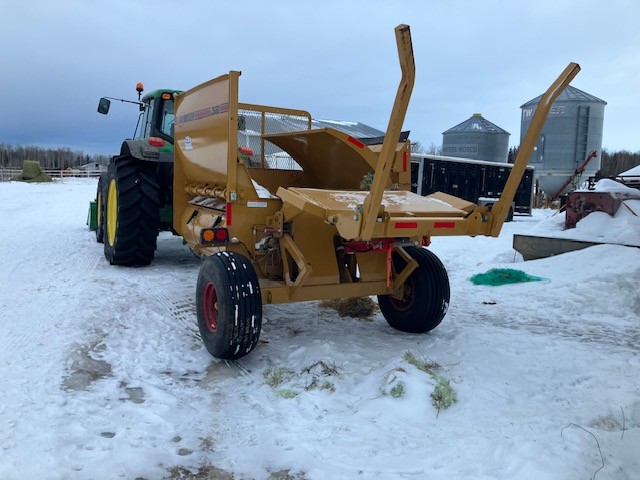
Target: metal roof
274, 123
289, 123
445, 158
159, 92
355, 129
569, 94
476, 124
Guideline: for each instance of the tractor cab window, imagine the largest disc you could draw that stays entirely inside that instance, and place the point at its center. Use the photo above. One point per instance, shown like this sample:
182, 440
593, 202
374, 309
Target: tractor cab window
147, 117
166, 120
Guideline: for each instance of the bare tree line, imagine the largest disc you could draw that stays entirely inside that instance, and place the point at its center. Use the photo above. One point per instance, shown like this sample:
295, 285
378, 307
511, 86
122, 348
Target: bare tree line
614, 163
432, 149
611, 164
50, 158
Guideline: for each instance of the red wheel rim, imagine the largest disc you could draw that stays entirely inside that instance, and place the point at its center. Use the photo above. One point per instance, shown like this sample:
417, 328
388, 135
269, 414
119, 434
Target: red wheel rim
210, 307
407, 298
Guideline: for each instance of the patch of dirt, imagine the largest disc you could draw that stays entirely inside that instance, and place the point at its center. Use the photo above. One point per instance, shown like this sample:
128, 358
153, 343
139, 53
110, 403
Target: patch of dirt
85, 369
213, 473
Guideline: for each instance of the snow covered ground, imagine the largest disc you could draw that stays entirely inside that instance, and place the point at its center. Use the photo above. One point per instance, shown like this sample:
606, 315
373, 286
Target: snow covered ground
103, 375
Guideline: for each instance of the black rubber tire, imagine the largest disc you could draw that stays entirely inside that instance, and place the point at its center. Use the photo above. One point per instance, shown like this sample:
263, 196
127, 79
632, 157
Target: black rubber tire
427, 294
100, 200
509, 215
136, 219
231, 330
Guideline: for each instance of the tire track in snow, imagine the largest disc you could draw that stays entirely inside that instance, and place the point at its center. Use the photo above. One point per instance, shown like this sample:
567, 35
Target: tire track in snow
59, 280
181, 310
587, 332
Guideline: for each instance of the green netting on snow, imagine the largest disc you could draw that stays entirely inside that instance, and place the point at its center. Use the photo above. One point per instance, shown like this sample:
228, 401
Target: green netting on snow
503, 276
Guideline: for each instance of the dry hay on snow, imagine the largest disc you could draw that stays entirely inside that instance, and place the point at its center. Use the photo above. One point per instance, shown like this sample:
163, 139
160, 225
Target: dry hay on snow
32, 173
357, 307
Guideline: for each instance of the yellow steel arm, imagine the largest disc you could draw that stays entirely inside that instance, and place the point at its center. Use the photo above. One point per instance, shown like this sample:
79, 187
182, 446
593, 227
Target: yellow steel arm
501, 208
371, 206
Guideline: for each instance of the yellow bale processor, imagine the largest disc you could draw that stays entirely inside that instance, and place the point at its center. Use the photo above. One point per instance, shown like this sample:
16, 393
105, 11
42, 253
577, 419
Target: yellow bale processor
308, 232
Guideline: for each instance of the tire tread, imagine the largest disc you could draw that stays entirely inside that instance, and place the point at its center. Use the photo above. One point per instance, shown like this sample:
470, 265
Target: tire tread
138, 216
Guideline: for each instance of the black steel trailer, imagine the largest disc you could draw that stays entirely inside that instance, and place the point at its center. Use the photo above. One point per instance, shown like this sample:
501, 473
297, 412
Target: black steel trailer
477, 181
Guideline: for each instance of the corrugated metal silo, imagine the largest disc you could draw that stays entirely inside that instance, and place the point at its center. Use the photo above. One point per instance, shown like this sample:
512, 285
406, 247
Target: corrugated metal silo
476, 138
572, 130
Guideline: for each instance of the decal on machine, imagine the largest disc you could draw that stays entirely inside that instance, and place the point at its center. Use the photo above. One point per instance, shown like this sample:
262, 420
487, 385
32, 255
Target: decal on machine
203, 113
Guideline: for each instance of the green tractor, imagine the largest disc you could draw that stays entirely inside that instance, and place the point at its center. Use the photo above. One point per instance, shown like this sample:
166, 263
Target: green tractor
134, 199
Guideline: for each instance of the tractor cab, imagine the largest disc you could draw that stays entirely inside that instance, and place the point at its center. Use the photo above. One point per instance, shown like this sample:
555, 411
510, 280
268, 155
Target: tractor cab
155, 122
157, 116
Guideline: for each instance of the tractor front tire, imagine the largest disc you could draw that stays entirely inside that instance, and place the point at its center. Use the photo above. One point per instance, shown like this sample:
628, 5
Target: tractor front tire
425, 293
132, 212
228, 305
100, 200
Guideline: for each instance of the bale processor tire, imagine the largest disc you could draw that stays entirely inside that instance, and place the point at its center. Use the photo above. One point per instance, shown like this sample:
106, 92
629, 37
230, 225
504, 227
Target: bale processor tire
100, 200
425, 294
228, 305
509, 215
132, 212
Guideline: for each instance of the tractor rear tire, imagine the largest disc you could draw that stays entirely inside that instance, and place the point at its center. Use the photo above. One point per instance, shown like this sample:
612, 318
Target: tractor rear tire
132, 212
100, 200
425, 295
228, 305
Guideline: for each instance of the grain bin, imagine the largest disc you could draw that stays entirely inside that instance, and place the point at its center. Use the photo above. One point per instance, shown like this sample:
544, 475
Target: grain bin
572, 130
476, 138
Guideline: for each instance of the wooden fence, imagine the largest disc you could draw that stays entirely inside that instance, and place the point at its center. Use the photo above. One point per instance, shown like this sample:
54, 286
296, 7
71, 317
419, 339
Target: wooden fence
7, 174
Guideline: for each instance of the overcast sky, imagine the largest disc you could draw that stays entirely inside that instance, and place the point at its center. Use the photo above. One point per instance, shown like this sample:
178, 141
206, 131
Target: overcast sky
336, 59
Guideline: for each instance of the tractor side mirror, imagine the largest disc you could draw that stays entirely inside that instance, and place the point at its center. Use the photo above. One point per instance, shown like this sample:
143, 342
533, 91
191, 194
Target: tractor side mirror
242, 123
103, 105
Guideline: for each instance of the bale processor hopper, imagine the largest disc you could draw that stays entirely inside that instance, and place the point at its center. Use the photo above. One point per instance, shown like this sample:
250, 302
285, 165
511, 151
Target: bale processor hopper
272, 235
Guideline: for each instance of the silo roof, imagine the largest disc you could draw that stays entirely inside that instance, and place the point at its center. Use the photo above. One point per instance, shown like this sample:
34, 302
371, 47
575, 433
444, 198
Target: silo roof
569, 94
476, 124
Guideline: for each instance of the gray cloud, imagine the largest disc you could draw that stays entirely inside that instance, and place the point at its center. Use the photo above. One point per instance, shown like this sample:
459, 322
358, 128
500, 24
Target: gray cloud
335, 59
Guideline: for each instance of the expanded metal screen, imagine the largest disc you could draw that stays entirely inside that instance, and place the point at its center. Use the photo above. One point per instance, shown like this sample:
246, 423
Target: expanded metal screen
256, 121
